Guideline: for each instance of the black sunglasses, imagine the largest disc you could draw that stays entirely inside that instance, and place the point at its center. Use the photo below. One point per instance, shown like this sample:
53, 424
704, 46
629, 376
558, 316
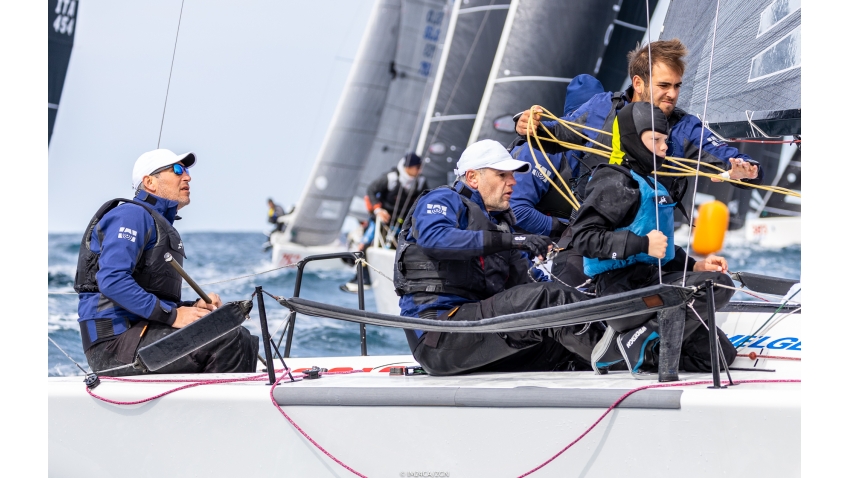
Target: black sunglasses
178, 169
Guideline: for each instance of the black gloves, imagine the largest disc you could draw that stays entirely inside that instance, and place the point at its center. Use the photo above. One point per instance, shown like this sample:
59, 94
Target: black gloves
503, 241
537, 245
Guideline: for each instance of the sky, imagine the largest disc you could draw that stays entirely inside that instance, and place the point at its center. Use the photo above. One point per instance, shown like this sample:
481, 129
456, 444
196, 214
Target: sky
252, 89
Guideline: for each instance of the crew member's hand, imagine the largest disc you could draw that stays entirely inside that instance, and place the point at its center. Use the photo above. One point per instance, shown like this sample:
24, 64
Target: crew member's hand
523, 122
711, 263
537, 245
741, 169
211, 307
383, 215
187, 315
657, 244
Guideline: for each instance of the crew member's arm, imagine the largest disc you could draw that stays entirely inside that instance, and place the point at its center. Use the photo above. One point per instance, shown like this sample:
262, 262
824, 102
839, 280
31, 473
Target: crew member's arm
562, 133
528, 191
376, 192
119, 251
740, 166
612, 201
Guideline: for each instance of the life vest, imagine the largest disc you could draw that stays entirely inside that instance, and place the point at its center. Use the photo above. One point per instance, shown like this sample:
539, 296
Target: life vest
641, 225
475, 279
152, 272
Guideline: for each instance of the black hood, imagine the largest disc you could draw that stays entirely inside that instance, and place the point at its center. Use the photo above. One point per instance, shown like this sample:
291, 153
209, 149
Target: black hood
632, 121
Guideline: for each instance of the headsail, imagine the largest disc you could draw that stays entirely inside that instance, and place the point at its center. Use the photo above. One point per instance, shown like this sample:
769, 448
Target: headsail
61, 21
474, 31
756, 68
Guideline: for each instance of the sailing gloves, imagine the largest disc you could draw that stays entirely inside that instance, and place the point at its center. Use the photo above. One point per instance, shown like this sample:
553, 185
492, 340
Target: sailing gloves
503, 241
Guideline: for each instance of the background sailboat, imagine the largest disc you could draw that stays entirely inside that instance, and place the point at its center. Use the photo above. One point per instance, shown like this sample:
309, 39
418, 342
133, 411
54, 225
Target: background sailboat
61, 22
373, 125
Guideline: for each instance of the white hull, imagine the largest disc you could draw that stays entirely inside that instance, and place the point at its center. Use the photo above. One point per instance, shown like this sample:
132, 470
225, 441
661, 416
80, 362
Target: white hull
386, 299
286, 253
774, 232
473, 425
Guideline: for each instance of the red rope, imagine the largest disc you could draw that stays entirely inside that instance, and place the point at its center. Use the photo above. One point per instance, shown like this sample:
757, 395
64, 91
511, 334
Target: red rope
646, 387
753, 356
308, 437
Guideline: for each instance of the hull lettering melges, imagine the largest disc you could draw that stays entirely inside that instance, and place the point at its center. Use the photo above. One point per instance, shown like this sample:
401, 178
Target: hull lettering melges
766, 341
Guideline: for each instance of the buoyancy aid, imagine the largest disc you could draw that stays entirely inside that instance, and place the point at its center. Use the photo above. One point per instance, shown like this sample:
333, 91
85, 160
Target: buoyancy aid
152, 272
475, 279
641, 225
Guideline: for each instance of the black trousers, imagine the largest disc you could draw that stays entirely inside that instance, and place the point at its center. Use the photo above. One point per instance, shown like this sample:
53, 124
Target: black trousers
235, 352
548, 349
696, 354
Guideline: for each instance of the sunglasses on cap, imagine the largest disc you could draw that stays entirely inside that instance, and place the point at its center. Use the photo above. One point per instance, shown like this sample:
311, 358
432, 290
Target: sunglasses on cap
178, 169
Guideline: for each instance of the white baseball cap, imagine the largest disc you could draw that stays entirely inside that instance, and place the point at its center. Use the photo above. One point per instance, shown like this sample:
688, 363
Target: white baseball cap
489, 154
153, 160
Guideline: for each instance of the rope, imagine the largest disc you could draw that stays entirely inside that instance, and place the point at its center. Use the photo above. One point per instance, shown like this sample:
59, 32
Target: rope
629, 393
363, 261
170, 70
754, 356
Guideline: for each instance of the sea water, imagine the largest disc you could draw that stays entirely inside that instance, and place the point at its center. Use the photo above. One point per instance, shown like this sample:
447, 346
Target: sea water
234, 264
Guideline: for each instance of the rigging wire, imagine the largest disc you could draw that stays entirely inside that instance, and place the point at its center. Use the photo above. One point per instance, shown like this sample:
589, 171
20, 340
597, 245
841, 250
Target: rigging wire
173, 54
702, 133
652, 123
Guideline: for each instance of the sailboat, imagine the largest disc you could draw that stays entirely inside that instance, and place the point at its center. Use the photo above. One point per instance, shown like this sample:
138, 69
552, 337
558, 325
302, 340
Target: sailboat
373, 126
61, 18
380, 416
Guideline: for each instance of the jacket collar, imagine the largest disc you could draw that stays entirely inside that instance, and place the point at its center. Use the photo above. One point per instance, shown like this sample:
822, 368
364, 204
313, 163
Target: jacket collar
166, 207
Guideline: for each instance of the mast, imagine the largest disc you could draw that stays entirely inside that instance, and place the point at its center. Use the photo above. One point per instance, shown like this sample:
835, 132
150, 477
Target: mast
474, 31
324, 202
61, 20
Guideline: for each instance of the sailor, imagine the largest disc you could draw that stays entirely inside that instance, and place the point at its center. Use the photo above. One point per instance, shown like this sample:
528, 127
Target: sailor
275, 213
129, 296
540, 208
459, 259
624, 230
389, 197
686, 131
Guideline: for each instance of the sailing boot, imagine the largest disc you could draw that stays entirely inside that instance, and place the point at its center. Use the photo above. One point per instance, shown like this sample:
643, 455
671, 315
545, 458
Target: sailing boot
605, 353
639, 348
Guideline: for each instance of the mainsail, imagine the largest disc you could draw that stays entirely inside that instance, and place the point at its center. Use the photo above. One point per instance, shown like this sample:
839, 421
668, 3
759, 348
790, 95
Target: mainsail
544, 45
755, 69
754, 91
474, 30
384, 89
61, 20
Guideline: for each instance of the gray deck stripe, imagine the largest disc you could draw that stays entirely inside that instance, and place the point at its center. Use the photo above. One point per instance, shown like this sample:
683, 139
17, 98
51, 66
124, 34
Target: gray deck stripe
520, 397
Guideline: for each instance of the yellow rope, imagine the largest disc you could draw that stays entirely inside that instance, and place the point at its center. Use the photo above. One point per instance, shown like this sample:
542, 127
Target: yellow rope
678, 163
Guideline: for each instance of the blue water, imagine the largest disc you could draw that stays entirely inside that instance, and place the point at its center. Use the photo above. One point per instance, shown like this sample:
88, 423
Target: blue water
215, 257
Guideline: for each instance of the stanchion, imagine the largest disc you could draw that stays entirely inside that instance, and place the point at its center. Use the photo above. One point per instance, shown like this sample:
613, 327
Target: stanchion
712, 337
267, 348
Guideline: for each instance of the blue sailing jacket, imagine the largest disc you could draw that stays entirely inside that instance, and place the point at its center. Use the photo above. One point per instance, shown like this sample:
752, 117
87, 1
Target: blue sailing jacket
126, 231
643, 223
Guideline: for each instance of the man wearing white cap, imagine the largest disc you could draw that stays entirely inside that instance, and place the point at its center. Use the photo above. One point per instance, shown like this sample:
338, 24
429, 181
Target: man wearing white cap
459, 259
129, 295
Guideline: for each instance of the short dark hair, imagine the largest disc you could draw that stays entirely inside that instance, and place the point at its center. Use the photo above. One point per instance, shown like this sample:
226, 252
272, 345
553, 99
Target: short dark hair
668, 52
